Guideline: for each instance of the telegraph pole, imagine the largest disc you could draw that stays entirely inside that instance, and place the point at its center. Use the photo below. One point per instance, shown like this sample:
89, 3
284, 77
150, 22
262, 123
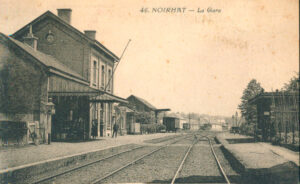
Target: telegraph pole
114, 69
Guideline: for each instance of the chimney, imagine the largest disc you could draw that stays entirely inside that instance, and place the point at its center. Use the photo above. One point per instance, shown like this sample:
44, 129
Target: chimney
91, 34
30, 39
65, 14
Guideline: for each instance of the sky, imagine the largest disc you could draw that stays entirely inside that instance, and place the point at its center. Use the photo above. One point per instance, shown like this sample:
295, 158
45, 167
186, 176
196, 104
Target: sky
187, 61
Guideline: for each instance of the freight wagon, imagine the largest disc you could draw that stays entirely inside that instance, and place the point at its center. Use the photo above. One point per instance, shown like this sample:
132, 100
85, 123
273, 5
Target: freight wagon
186, 126
171, 123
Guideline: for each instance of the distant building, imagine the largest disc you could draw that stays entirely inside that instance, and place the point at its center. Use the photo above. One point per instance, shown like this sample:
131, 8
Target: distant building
181, 119
141, 105
123, 118
216, 127
221, 121
194, 124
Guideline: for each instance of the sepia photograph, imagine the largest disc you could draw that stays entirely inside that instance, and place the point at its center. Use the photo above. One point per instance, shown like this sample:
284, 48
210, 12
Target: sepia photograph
149, 91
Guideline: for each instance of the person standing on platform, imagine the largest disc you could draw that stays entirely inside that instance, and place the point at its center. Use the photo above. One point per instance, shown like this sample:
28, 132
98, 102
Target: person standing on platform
94, 129
115, 130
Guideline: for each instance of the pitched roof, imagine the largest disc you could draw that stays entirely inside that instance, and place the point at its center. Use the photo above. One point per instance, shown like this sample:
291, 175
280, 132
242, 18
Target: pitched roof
174, 115
171, 116
51, 15
147, 104
44, 59
58, 68
107, 97
278, 94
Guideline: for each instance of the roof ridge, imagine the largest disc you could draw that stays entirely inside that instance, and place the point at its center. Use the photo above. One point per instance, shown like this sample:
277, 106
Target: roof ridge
94, 41
38, 55
144, 102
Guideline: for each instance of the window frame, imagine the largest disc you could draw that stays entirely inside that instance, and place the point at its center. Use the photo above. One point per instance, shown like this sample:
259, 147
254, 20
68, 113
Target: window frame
102, 75
94, 73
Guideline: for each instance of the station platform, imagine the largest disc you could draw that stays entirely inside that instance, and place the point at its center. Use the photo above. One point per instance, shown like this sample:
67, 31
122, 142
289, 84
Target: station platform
259, 159
12, 158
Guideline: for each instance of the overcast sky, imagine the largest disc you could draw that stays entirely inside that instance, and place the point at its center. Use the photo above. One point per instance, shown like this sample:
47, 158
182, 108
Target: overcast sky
190, 62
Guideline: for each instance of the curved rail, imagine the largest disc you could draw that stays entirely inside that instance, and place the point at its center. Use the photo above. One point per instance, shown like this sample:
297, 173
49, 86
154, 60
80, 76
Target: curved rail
131, 163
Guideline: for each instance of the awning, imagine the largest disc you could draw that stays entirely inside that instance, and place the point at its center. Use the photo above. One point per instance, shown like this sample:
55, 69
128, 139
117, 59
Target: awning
73, 93
61, 86
108, 98
162, 110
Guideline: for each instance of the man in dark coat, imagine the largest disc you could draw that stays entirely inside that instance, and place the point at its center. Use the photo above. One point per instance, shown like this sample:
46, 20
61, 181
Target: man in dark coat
115, 130
94, 129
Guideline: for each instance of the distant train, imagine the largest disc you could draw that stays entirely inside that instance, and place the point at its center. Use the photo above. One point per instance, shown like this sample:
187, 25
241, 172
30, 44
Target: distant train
171, 123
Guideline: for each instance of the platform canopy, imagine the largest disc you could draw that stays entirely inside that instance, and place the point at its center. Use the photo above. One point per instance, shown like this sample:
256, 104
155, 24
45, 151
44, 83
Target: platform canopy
108, 98
64, 86
162, 110
69, 86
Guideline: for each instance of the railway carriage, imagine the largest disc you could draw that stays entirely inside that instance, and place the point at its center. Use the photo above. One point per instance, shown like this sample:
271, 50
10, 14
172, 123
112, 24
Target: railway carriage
172, 124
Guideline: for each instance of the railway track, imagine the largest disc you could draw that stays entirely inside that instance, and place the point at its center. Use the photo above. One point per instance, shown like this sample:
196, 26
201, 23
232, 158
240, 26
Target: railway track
138, 158
82, 166
99, 180
188, 152
61, 174
218, 162
183, 160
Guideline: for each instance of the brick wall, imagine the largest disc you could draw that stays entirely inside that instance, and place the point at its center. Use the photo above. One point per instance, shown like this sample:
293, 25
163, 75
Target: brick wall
67, 47
22, 99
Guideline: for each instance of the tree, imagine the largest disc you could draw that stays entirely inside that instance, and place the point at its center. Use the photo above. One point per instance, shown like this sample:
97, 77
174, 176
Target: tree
247, 110
292, 85
144, 117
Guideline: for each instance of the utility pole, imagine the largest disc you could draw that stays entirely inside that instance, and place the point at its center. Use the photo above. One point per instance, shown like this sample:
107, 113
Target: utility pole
114, 69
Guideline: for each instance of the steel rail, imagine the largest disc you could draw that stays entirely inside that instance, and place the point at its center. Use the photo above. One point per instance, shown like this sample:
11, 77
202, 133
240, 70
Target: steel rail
218, 162
84, 165
131, 163
182, 162
47, 178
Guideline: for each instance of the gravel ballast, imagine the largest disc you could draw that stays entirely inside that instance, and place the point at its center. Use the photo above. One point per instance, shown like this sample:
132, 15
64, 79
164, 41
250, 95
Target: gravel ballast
159, 167
200, 166
97, 170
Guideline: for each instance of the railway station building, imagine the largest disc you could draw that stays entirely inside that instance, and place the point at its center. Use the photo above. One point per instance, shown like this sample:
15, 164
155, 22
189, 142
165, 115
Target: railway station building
73, 90
276, 113
139, 111
142, 105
